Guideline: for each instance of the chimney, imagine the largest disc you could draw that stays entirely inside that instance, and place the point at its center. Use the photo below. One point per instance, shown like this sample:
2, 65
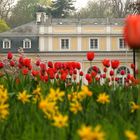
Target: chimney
41, 17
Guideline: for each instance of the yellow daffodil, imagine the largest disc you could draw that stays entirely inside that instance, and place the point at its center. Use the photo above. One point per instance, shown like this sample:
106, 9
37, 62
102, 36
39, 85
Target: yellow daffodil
103, 98
37, 94
75, 107
24, 97
60, 121
134, 106
3, 94
4, 106
1, 87
73, 96
4, 112
37, 91
56, 95
130, 135
48, 107
86, 133
98, 134
86, 91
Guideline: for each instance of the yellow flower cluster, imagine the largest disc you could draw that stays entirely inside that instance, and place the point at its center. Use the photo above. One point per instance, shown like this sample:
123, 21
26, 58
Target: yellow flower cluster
87, 133
103, 98
134, 106
60, 121
24, 97
76, 99
51, 110
130, 135
37, 94
4, 106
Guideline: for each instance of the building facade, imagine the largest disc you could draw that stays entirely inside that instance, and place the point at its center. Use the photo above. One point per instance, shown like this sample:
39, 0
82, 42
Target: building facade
69, 40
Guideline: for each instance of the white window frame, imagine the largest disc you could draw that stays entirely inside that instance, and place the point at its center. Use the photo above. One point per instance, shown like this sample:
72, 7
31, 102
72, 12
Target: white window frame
68, 44
97, 44
123, 77
24, 43
119, 44
4, 45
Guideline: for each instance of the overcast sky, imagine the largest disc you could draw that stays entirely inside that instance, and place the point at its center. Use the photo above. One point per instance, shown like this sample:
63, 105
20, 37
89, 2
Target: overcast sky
81, 3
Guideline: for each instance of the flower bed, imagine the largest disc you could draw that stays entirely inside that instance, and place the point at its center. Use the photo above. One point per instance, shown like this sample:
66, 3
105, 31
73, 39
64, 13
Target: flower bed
40, 101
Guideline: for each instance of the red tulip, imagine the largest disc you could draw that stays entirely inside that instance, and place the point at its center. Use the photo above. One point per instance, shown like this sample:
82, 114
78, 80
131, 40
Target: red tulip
37, 63
105, 69
57, 76
78, 65
96, 69
93, 74
97, 78
46, 78
129, 76
132, 31
90, 56
1, 65
88, 77
132, 66
50, 64
116, 79
70, 72
20, 60
75, 71
17, 80
122, 72
25, 71
27, 62
115, 64
43, 66
81, 73
104, 75
106, 62
12, 63
111, 73
64, 76
58, 65
35, 72
9, 55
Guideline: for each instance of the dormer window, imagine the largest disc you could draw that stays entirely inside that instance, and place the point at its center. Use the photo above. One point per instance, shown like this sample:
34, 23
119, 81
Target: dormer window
27, 44
6, 44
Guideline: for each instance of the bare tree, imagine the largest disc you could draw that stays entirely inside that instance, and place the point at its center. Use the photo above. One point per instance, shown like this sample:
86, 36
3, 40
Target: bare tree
107, 8
120, 8
134, 7
95, 9
5, 8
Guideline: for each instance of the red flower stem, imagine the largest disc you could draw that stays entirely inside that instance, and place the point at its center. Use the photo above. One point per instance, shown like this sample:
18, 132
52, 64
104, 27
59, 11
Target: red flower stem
90, 64
114, 80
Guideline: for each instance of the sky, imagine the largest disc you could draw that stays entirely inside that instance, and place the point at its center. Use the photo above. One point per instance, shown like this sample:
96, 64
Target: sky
80, 3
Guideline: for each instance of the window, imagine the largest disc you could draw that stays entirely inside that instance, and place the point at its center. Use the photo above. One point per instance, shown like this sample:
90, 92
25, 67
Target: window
121, 43
65, 44
94, 69
26, 43
121, 80
94, 43
6, 44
